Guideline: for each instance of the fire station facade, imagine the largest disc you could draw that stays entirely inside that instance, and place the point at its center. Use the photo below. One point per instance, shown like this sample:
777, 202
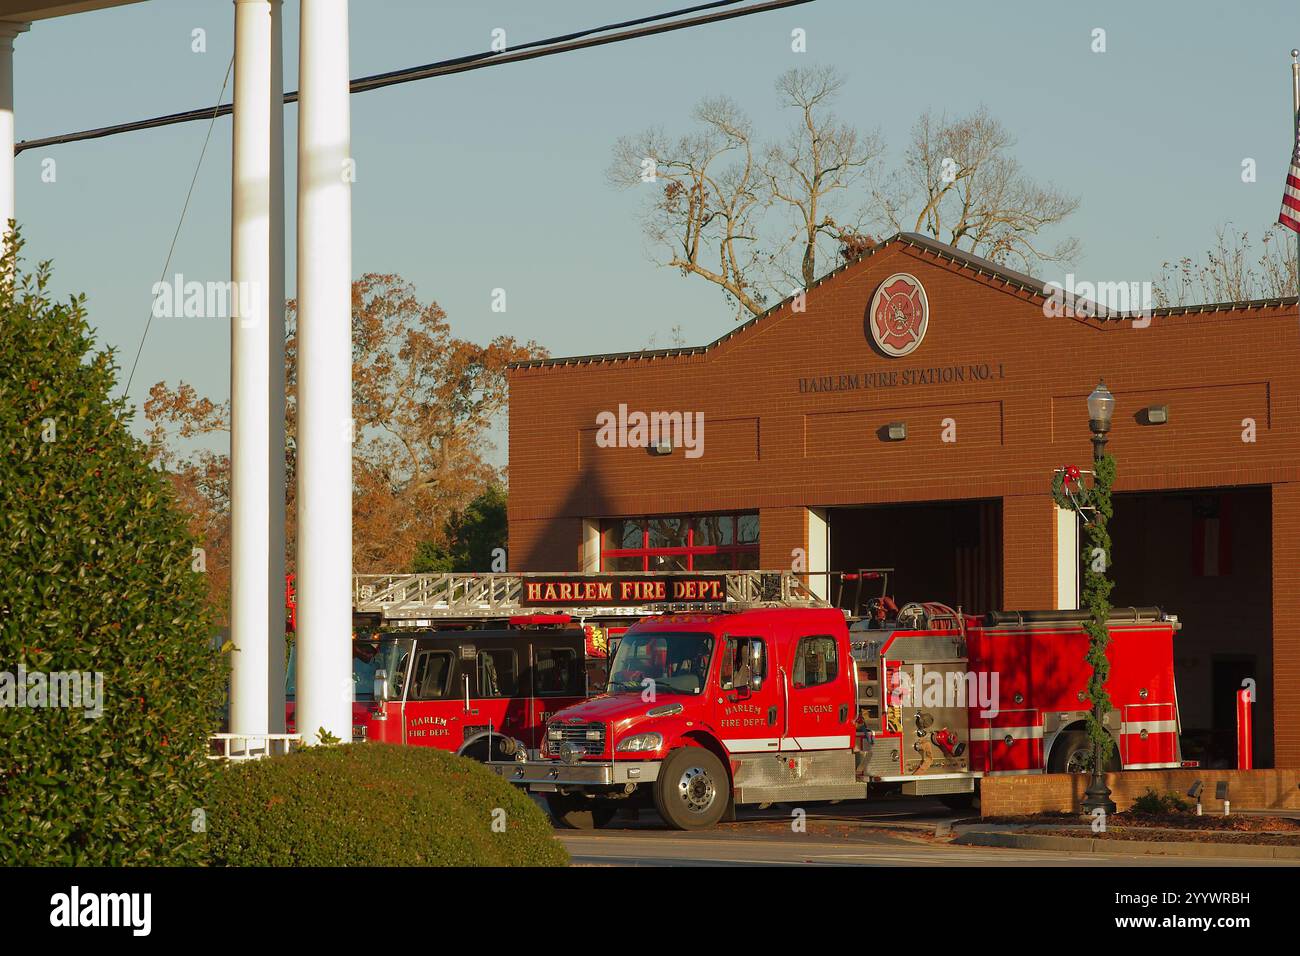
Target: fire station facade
909, 412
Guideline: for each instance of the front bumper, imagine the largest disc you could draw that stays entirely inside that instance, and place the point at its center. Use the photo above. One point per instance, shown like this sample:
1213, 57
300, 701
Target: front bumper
546, 775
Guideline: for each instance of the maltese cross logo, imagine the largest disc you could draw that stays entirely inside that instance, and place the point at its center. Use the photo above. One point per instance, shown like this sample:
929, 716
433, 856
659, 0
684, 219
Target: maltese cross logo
899, 315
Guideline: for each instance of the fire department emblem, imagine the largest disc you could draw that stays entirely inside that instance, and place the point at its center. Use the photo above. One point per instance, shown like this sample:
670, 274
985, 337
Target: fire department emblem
899, 315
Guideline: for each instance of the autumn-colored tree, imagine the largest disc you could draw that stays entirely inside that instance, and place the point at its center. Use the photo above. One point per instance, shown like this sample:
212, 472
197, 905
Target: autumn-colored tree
423, 400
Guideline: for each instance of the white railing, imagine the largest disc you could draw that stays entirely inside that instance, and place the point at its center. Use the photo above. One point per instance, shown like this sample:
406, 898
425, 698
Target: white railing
237, 747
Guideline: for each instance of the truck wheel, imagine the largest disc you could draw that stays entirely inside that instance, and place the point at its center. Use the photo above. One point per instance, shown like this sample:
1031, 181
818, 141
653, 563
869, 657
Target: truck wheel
1072, 753
692, 790
579, 813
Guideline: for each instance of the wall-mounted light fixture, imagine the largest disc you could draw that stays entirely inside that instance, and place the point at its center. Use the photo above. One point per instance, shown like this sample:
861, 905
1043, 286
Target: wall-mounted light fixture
661, 448
894, 431
1154, 415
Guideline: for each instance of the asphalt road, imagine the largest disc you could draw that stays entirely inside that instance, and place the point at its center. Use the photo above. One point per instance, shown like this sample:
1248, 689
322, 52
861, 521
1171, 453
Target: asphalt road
887, 833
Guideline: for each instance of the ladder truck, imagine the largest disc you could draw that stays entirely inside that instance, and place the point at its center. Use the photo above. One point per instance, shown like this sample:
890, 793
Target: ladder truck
477, 664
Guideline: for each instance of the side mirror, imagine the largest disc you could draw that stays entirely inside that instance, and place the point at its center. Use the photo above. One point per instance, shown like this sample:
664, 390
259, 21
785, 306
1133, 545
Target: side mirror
381, 684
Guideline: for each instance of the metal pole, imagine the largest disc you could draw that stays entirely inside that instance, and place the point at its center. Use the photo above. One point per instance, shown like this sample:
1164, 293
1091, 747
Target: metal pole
1295, 134
250, 262
324, 565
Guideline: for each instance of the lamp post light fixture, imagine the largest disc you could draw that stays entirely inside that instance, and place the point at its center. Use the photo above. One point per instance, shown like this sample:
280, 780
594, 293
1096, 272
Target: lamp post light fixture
1101, 411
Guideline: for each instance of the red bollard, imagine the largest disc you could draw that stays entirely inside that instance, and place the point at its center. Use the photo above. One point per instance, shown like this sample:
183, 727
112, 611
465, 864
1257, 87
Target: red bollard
1244, 761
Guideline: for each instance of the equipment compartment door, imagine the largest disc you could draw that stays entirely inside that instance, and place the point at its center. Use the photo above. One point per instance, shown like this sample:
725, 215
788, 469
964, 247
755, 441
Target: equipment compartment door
1009, 742
1148, 736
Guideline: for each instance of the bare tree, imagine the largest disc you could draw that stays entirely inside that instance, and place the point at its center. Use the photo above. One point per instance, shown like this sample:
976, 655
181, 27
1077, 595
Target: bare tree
959, 184
708, 193
1233, 271
818, 159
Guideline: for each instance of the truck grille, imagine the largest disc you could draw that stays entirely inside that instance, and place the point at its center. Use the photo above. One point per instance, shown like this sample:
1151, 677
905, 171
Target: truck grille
577, 734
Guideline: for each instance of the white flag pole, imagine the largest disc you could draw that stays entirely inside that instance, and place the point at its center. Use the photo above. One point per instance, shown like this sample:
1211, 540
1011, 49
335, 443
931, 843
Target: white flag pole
1295, 130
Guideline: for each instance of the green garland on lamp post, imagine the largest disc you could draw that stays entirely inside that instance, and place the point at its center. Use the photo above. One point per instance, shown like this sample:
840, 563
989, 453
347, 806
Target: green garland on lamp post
1095, 504
1097, 586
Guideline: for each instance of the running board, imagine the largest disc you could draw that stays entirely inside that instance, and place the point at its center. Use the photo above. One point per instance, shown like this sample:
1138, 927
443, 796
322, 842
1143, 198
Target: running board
924, 788
813, 791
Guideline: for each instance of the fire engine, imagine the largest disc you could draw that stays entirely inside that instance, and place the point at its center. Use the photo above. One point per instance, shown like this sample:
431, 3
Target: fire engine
744, 702
477, 663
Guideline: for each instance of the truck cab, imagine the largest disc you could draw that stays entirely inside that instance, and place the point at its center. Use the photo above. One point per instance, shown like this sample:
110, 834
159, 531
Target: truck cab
703, 711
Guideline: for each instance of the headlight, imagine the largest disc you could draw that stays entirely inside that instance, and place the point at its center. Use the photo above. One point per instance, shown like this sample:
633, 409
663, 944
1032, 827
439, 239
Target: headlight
641, 742
555, 733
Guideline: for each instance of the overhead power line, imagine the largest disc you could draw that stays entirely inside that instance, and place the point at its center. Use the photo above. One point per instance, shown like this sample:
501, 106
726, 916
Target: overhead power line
180, 222
567, 43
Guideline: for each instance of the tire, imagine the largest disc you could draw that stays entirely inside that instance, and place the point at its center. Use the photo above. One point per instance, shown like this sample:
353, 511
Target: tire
579, 813
693, 789
1072, 753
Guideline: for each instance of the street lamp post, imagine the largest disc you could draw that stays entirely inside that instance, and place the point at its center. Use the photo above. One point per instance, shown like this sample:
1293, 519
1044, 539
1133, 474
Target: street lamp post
1097, 587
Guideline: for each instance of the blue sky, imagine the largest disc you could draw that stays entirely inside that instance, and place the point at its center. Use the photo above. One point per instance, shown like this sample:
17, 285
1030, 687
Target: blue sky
495, 178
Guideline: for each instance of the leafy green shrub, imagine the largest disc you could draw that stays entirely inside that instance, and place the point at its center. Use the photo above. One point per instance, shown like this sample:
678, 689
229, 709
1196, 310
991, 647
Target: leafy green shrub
95, 578
1156, 803
374, 805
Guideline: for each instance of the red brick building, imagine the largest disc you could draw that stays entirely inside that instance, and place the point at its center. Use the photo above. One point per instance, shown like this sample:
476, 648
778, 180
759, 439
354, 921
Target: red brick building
798, 463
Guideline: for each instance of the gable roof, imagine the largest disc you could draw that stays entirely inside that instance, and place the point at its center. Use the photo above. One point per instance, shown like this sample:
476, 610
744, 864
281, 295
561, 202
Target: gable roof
1018, 281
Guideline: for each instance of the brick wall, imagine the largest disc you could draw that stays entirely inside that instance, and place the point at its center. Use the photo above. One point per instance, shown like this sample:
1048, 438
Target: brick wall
1018, 406
553, 544
1037, 793
780, 530
1028, 552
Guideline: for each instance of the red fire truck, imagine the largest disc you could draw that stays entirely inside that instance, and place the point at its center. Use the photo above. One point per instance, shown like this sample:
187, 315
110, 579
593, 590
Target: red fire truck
743, 704
471, 663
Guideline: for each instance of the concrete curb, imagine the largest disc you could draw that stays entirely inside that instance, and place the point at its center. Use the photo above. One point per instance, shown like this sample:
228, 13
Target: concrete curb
1034, 841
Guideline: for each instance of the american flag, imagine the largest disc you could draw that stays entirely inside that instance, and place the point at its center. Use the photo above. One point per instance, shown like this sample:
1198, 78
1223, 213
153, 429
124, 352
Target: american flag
1290, 214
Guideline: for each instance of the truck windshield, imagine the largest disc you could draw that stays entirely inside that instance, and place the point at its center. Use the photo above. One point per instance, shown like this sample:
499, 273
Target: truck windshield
675, 663
368, 655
